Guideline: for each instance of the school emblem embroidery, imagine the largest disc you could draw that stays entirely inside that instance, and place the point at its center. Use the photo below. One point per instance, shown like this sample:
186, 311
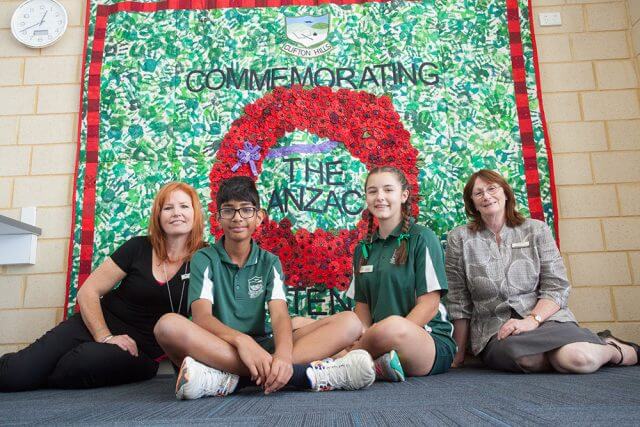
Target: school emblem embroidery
393, 257
308, 35
255, 286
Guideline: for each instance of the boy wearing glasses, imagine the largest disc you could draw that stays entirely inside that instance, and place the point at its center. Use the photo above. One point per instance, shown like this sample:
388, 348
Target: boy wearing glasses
231, 343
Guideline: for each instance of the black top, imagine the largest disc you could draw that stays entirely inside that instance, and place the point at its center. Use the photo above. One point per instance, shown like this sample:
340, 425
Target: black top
135, 306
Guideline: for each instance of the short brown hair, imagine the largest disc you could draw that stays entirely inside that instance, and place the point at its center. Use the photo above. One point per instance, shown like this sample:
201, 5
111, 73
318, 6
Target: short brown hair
476, 223
158, 237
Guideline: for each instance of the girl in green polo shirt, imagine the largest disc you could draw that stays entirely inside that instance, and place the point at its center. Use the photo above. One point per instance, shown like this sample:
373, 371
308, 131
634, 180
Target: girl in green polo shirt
398, 282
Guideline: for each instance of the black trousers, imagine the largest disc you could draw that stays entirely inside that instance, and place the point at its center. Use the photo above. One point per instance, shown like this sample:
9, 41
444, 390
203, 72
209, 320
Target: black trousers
68, 357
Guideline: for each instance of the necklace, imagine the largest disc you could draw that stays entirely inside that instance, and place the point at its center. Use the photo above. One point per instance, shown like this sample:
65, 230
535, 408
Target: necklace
184, 280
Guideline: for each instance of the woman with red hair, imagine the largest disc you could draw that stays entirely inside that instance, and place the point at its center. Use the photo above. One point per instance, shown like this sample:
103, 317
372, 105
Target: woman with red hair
111, 340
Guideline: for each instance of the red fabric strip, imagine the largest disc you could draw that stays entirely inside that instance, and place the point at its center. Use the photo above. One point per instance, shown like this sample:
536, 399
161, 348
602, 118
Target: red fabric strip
524, 113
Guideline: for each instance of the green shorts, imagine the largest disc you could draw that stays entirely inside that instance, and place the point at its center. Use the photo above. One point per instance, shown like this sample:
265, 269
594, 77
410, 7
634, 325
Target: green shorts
444, 356
266, 342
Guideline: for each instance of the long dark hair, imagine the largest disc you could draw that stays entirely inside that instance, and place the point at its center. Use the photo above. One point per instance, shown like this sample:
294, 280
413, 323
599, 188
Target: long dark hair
402, 251
514, 218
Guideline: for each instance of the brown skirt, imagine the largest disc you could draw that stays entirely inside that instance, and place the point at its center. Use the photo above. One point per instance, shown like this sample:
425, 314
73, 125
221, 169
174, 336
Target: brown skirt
502, 354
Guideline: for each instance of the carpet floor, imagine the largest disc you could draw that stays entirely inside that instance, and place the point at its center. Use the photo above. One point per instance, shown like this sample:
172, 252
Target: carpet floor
460, 397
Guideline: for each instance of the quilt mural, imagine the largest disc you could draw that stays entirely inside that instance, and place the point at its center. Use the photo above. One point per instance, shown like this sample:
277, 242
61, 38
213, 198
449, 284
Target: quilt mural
304, 97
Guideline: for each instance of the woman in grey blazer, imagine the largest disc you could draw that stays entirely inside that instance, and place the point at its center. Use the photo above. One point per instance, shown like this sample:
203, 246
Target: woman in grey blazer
508, 291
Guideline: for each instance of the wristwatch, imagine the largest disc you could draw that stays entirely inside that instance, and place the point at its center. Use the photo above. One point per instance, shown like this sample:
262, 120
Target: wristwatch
536, 317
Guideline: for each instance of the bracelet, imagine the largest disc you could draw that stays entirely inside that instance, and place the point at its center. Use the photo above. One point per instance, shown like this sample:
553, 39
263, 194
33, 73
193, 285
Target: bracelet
106, 339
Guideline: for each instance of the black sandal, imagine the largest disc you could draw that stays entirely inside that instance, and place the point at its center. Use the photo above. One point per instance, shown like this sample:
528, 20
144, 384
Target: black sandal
607, 334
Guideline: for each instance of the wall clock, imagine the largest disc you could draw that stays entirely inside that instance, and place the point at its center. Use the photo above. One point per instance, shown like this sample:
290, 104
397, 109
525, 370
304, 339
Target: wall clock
39, 23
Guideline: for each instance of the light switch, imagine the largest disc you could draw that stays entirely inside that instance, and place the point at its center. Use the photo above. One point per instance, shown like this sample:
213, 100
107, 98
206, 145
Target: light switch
550, 19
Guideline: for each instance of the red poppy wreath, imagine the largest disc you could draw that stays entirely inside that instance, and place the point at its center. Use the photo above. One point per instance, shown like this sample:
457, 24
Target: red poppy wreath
370, 129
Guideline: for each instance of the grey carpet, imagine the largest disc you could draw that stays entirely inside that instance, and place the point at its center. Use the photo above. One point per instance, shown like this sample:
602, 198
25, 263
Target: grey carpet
460, 397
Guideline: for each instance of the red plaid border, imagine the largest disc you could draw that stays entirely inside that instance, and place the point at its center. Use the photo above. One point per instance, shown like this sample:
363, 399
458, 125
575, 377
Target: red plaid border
529, 156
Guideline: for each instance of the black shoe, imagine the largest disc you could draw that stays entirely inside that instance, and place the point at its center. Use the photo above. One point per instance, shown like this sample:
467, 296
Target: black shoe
607, 334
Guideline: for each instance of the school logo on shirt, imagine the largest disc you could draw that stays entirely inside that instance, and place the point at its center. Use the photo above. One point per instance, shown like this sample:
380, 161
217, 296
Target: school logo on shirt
393, 257
255, 286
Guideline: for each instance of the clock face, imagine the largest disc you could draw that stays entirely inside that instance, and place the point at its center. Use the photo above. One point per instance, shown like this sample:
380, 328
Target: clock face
39, 23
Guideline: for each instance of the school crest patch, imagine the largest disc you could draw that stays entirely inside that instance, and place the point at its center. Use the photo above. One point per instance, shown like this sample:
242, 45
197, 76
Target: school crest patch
307, 35
255, 286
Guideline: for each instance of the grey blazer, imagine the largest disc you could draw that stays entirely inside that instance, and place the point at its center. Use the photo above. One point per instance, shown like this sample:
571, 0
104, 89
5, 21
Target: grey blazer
487, 281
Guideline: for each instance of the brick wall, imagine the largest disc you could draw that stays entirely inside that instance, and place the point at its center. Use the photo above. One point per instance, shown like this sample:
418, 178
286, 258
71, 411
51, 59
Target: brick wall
39, 92
589, 68
589, 71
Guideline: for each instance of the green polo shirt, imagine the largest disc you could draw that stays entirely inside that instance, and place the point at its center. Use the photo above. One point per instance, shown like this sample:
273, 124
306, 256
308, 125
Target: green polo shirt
389, 289
239, 295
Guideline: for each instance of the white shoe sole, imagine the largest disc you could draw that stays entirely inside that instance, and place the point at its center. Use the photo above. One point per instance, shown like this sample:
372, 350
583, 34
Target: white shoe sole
183, 379
189, 366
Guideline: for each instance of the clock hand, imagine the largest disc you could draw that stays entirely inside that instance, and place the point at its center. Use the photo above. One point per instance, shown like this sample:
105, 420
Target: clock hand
38, 24
31, 26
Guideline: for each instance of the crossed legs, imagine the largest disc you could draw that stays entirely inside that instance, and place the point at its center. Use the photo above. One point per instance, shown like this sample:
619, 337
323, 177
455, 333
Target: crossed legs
414, 345
180, 337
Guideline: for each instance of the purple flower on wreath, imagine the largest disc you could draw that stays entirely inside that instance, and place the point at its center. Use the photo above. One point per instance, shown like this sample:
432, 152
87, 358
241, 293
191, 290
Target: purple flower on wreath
249, 154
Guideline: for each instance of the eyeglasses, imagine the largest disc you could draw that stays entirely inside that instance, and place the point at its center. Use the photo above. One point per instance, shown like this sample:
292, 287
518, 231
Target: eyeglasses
245, 212
491, 190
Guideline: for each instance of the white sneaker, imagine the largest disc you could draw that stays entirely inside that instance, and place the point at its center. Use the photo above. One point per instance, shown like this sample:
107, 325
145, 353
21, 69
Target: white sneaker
351, 372
196, 380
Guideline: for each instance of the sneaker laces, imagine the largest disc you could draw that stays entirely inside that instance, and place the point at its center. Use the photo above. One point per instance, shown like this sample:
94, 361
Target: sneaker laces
330, 374
215, 382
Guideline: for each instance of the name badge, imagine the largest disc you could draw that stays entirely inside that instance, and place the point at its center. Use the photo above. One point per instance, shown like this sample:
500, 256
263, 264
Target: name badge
185, 276
366, 269
520, 245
